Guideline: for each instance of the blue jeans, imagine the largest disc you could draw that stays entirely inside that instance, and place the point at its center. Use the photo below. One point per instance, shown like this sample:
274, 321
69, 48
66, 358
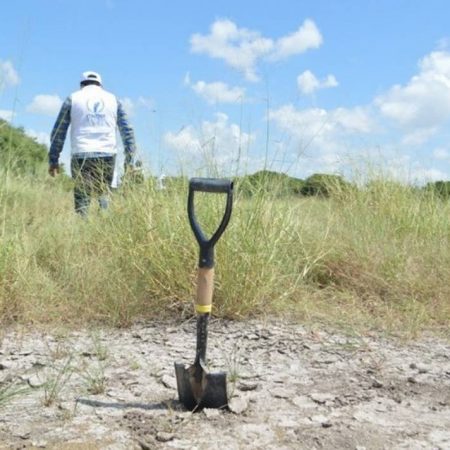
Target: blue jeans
93, 177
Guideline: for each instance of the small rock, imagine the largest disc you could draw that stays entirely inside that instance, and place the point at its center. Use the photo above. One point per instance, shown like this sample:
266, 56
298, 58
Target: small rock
39, 444
249, 376
377, 383
168, 381
33, 381
322, 397
281, 393
303, 402
183, 415
238, 405
3, 366
211, 412
321, 420
146, 445
38, 365
330, 359
163, 436
116, 395
421, 368
412, 380
252, 337
243, 386
22, 433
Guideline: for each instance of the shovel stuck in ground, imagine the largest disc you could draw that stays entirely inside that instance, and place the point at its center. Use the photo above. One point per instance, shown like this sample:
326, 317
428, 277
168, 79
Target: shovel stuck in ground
197, 387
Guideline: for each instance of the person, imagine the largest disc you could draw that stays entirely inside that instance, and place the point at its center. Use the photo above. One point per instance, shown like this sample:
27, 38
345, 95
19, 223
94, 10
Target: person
94, 115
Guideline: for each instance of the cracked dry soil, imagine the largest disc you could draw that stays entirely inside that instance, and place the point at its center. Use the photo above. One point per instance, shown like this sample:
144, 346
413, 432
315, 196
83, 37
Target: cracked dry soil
290, 387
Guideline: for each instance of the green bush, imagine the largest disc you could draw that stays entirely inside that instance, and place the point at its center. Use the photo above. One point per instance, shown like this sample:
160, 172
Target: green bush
269, 182
324, 185
20, 153
440, 188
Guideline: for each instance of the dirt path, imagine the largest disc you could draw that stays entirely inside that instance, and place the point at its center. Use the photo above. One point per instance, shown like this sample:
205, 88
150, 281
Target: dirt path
292, 388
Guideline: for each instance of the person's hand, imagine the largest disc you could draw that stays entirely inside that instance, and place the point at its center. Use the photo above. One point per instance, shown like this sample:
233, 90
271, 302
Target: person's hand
53, 170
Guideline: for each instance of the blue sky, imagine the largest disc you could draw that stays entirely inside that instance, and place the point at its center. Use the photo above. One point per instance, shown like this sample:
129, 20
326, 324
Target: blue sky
228, 87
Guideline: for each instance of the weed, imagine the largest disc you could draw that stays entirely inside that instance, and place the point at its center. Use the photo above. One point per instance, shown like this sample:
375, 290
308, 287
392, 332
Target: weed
94, 378
56, 381
10, 390
234, 364
100, 350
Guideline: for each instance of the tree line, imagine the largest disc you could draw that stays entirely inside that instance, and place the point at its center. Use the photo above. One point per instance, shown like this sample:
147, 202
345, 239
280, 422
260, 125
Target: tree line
22, 154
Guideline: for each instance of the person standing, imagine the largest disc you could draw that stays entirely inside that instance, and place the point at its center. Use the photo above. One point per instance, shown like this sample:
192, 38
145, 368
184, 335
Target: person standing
94, 115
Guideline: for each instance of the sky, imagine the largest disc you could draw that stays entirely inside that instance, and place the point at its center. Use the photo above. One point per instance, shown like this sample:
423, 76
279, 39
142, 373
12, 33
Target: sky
220, 88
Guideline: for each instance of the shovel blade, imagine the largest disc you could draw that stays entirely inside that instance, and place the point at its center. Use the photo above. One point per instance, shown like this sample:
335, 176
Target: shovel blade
209, 392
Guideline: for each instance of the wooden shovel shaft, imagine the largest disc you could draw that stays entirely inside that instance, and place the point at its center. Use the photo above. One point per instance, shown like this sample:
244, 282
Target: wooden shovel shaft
205, 288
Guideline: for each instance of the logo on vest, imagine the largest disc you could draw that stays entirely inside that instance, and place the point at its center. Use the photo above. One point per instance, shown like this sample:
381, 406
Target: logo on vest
96, 116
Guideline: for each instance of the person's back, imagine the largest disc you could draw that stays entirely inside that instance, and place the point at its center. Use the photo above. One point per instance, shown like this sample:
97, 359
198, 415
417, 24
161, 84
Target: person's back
93, 121
94, 116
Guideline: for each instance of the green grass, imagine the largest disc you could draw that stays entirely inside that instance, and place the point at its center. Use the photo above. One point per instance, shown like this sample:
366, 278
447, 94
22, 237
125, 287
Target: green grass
11, 390
374, 258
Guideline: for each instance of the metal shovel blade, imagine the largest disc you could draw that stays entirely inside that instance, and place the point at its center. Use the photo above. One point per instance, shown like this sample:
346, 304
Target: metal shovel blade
199, 389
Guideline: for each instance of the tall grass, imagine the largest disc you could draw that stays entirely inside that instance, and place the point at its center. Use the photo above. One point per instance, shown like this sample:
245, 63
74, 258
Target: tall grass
376, 257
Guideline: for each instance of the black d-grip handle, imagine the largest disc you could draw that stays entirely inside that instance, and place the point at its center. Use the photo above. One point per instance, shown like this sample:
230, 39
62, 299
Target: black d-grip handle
212, 185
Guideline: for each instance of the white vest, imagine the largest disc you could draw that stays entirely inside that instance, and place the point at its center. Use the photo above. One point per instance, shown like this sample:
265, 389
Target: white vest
93, 120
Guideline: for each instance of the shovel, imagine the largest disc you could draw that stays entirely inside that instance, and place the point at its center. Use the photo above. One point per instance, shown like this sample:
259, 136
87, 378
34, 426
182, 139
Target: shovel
197, 387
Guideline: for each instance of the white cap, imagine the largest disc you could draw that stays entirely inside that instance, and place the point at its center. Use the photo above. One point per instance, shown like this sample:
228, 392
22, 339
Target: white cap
91, 76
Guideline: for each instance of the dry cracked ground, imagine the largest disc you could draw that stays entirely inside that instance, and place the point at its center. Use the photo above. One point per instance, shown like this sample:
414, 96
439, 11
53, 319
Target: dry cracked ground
289, 387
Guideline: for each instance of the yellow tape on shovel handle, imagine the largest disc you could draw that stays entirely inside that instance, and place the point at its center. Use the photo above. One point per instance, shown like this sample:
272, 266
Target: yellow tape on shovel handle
205, 287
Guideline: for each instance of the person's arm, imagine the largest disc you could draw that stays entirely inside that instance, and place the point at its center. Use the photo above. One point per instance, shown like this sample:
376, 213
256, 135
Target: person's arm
127, 135
58, 136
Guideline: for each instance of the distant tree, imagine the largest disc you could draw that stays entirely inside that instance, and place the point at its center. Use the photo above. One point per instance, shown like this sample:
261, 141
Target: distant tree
19, 152
441, 188
324, 185
268, 181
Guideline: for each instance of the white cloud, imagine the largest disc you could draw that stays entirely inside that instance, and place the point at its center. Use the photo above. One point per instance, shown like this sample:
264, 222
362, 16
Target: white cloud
423, 104
45, 104
218, 142
217, 92
323, 140
317, 123
242, 48
8, 75
418, 137
6, 114
424, 175
41, 136
399, 167
441, 154
308, 83
306, 37
415, 172
403, 117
